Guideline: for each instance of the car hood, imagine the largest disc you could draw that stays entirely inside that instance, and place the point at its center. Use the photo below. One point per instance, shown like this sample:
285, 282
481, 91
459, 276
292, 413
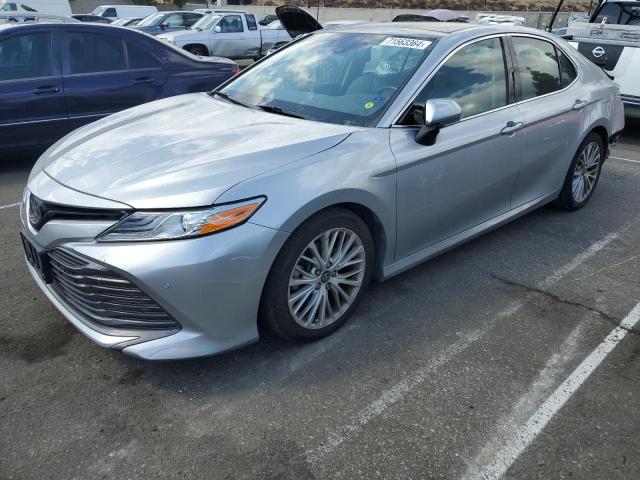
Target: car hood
183, 151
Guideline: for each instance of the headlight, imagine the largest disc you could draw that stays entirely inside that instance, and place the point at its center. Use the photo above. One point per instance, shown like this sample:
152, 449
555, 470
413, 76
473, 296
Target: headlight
173, 225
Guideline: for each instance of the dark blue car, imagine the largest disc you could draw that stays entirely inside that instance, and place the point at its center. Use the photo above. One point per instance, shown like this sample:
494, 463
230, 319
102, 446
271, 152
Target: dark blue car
55, 78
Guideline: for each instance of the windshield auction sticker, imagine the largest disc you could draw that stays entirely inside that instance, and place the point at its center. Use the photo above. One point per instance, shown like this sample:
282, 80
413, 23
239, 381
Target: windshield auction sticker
406, 43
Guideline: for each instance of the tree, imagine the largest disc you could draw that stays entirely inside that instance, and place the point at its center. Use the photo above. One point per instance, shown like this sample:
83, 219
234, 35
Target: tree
179, 3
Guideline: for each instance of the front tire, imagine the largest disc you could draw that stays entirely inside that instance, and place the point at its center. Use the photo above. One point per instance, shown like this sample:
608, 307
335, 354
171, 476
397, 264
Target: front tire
319, 276
583, 174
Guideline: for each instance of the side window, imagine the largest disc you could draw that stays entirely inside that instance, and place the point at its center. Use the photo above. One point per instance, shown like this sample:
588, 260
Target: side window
9, 7
537, 65
251, 22
94, 52
110, 12
231, 24
567, 71
191, 18
475, 77
173, 21
25, 56
139, 58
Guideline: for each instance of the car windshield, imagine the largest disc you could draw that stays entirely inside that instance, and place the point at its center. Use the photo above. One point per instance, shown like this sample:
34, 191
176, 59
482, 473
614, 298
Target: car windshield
337, 77
151, 20
206, 22
627, 13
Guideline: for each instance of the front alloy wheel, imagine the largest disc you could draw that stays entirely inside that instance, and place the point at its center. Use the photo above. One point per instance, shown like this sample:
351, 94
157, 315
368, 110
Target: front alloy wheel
319, 276
326, 278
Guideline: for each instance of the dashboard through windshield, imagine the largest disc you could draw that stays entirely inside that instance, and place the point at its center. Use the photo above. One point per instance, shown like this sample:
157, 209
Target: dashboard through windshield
338, 77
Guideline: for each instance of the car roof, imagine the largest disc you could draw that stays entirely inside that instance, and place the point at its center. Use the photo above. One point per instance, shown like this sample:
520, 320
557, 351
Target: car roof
435, 29
66, 25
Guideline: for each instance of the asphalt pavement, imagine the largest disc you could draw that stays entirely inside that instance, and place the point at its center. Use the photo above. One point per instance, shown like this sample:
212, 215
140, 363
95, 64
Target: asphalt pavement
503, 356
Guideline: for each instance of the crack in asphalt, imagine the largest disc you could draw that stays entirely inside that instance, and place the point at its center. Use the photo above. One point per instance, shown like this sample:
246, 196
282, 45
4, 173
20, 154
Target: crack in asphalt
557, 299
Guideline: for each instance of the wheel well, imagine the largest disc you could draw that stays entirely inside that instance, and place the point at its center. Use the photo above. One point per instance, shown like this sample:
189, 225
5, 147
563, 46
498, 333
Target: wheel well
377, 232
603, 134
189, 45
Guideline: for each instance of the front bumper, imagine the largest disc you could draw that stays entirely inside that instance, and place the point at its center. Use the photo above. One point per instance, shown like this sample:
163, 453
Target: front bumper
210, 285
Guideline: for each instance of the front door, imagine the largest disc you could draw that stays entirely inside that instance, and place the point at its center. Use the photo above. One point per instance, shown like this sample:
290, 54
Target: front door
230, 40
467, 177
32, 107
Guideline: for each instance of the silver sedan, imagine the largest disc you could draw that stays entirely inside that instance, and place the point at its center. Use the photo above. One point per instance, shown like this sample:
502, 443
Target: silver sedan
173, 229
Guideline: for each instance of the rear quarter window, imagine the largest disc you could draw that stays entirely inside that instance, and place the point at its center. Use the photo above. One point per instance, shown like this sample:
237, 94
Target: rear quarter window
567, 71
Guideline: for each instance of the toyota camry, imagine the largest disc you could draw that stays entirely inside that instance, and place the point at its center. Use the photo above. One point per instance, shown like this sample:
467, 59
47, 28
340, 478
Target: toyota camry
173, 229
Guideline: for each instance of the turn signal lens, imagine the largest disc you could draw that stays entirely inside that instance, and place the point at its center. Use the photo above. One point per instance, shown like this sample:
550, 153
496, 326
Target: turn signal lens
228, 218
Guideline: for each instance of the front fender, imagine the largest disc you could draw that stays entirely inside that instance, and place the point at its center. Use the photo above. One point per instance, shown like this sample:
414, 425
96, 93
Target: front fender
361, 170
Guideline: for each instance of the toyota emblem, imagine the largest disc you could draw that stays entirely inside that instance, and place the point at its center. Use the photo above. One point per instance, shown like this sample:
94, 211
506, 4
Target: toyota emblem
598, 52
35, 213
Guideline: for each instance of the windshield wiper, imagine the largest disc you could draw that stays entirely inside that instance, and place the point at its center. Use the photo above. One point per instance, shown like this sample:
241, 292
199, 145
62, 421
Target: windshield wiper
279, 111
233, 100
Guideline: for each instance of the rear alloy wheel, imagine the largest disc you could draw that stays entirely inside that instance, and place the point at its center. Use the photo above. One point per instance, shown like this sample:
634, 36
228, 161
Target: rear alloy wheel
319, 276
583, 174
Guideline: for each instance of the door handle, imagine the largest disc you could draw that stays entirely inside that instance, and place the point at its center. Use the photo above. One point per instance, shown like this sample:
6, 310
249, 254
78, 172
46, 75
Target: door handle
579, 104
511, 127
143, 81
46, 89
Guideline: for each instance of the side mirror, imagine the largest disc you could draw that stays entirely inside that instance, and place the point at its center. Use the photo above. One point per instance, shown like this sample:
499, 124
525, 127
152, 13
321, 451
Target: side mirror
163, 26
217, 29
438, 113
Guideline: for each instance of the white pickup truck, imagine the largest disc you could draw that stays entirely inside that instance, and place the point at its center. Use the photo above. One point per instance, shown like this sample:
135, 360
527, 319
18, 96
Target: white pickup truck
232, 34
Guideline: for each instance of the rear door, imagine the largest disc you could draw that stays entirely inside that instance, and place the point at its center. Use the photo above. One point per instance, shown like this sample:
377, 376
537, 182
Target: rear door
104, 74
32, 106
553, 108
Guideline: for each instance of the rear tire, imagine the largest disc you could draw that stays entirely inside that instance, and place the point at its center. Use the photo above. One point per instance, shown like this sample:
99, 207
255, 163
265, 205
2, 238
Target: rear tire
583, 175
319, 276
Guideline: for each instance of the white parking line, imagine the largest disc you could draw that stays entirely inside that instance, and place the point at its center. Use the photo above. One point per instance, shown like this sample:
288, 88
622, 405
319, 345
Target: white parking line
416, 378
11, 205
517, 443
625, 159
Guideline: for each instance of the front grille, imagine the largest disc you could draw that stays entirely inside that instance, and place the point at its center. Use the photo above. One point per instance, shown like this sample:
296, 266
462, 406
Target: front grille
103, 296
38, 212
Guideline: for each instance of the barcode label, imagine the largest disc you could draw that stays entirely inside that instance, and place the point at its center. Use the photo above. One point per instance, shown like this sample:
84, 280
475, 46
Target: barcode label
406, 42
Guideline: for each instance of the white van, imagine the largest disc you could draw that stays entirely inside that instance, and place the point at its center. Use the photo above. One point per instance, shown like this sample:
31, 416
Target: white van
124, 11
50, 7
